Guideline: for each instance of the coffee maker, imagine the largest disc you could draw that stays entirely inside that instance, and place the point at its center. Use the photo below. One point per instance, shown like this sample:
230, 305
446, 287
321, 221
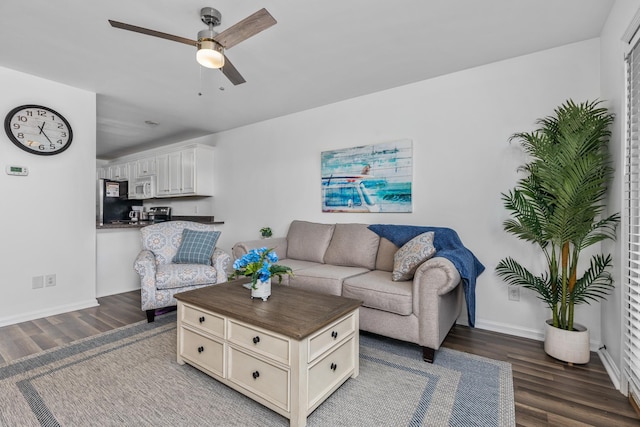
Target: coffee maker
160, 213
136, 213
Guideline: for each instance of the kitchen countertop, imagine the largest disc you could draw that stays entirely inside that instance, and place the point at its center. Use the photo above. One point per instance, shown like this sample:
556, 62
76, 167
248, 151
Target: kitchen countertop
139, 224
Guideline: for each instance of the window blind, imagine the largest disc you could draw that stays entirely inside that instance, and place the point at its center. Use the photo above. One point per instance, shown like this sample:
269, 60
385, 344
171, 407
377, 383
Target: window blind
632, 227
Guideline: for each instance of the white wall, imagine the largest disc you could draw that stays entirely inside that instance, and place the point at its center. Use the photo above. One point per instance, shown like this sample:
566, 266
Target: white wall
613, 92
269, 173
47, 218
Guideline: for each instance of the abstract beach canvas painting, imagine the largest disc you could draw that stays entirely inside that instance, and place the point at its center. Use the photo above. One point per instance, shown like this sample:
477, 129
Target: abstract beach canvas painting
371, 178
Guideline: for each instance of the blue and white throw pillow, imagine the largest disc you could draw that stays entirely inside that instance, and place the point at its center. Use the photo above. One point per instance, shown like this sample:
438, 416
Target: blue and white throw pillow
409, 257
196, 247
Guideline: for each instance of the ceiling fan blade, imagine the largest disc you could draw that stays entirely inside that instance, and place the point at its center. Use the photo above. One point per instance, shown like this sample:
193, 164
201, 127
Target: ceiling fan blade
249, 26
232, 73
153, 33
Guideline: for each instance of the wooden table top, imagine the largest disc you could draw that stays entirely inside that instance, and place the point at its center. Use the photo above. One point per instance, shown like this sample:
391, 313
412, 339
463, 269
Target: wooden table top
292, 312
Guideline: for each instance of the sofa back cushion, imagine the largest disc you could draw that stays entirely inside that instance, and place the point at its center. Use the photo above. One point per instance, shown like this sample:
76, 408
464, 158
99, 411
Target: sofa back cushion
353, 245
386, 252
308, 241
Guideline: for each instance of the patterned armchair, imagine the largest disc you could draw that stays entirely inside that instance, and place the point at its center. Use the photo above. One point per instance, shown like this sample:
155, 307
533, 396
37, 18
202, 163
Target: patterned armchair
161, 278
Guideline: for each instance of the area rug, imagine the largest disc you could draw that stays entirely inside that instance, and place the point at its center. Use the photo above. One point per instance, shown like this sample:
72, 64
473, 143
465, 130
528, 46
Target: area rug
129, 377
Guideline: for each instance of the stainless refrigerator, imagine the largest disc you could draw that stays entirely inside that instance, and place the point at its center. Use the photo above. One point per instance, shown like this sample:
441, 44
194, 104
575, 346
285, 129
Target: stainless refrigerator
112, 203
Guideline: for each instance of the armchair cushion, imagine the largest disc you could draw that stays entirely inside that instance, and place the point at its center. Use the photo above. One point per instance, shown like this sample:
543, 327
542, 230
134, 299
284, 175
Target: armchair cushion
171, 276
196, 247
413, 253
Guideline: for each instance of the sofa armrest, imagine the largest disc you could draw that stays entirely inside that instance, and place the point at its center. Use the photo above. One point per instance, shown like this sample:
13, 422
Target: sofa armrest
279, 244
145, 265
437, 300
436, 275
221, 261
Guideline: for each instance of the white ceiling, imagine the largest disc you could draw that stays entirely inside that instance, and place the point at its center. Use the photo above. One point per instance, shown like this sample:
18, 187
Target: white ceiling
319, 52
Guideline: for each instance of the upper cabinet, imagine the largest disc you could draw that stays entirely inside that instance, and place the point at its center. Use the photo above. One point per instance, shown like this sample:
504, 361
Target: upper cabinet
145, 166
118, 171
186, 172
180, 170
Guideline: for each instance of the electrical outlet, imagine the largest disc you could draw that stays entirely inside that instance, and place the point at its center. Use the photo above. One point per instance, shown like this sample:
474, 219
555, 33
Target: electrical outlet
514, 293
50, 280
37, 282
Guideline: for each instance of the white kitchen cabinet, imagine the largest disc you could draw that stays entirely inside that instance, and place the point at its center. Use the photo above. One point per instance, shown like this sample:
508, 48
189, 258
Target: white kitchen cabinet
118, 171
186, 172
180, 171
175, 173
145, 167
162, 177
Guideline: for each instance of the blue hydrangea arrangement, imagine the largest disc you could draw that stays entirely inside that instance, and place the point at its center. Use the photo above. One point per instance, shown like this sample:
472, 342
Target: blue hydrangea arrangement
259, 264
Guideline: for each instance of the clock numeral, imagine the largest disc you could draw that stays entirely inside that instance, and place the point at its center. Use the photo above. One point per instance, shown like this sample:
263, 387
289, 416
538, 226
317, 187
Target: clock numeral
42, 113
20, 135
59, 141
52, 146
63, 134
41, 147
23, 118
60, 126
16, 126
29, 113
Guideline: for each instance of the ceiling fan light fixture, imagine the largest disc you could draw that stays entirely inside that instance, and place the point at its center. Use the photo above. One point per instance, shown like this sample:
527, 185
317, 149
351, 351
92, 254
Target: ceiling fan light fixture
210, 54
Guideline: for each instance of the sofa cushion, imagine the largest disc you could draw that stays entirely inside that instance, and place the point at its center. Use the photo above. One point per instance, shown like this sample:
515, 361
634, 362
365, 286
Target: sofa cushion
413, 253
308, 241
386, 251
324, 278
296, 266
196, 247
377, 290
353, 245
171, 276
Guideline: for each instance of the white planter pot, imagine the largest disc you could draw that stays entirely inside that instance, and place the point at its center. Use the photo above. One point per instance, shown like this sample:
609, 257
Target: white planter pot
263, 290
568, 346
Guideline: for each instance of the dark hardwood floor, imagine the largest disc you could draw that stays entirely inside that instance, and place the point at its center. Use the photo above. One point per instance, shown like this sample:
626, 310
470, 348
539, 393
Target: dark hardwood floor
547, 392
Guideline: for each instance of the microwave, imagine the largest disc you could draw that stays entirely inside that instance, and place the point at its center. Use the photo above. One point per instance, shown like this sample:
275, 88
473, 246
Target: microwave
142, 188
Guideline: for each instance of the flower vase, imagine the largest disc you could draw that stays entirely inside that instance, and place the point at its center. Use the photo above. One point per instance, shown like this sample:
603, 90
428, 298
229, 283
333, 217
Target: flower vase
262, 290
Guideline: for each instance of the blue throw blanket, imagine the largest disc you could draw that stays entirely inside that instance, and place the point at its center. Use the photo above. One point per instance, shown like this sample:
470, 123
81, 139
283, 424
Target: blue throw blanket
448, 245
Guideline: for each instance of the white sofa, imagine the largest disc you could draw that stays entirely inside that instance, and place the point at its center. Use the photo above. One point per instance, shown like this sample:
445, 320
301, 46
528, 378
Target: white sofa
353, 261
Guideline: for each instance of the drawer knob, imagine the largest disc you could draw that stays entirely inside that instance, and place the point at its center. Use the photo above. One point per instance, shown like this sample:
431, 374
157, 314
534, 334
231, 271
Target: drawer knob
333, 367
201, 319
256, 339
255, 375
334, 335
200, 349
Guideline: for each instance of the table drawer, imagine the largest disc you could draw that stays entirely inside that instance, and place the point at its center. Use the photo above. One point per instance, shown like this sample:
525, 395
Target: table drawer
202, 350
259, 377
330, 336
330, 371
259, 341
203, 320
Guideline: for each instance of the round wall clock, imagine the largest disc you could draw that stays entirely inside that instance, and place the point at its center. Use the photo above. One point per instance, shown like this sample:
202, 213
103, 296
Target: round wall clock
38, 130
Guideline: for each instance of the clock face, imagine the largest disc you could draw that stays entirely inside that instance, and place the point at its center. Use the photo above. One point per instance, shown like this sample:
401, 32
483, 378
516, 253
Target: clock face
37, 129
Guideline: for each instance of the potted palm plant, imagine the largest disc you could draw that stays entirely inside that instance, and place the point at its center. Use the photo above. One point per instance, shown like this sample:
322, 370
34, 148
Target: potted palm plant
559, 205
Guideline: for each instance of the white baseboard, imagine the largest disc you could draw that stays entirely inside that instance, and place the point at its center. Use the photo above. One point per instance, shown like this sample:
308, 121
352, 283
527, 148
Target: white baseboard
508, 329
611, 367
52, 311
119, 290
534, 334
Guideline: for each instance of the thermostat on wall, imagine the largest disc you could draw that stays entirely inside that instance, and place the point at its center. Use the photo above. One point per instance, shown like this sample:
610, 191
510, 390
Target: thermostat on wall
17, 170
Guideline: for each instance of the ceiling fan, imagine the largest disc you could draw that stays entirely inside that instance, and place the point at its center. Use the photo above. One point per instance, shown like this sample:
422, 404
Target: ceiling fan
210, 44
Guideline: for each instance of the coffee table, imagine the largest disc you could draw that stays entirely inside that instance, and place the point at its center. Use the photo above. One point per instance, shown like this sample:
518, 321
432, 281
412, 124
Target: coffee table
288, 353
